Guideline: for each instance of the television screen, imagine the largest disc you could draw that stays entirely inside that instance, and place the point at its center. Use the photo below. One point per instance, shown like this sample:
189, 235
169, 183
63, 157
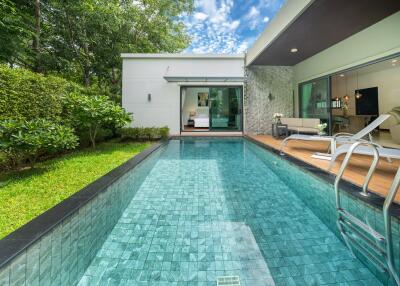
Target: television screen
367, 104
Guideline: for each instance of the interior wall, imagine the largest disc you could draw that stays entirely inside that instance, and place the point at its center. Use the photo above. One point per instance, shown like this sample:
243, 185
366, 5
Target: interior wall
190, 102
377, 41
387, 81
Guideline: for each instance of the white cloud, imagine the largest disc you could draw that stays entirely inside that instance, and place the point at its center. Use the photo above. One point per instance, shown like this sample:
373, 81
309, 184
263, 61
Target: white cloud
200, 16
253, 17
213, 29
243, 47
217, 27
233, 25
253, 12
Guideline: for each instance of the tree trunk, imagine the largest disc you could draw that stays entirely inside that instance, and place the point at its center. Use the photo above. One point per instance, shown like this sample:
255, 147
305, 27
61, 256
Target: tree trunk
36, 37
92, 135
86, 75
86, 68
32, 160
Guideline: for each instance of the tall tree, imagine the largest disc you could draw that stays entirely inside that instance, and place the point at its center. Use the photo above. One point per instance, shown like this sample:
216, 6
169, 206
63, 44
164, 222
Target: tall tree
83, 39
36, 37
14, 32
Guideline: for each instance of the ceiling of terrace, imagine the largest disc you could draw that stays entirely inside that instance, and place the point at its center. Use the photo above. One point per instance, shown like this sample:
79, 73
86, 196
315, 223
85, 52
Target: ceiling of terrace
323, 24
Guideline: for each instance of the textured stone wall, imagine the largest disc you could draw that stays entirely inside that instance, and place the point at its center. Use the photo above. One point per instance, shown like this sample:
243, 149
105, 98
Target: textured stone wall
259, 107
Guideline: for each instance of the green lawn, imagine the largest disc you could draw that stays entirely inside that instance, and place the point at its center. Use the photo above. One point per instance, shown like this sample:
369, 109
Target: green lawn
26, 194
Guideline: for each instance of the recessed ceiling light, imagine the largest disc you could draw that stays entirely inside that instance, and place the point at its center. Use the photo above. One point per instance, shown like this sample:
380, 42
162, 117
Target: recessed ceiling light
293, 50
342, 75
394, 61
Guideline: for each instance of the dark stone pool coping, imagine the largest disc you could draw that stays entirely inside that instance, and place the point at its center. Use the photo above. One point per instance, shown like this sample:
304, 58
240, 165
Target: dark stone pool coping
354, 190
17, 241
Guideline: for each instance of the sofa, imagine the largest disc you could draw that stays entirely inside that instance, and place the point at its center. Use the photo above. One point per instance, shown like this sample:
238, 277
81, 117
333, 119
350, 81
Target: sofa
302, 125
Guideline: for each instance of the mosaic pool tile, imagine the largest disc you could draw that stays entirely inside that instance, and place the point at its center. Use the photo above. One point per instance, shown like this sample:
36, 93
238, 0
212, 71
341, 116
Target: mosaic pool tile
199, 209
213, 208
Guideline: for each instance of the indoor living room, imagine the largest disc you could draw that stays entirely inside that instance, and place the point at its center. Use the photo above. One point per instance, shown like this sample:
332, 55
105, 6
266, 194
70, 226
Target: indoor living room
360, 95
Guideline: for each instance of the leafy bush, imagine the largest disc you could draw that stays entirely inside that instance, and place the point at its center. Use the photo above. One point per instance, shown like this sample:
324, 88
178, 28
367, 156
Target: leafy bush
144, 133
29, 95
91, 113
28, 139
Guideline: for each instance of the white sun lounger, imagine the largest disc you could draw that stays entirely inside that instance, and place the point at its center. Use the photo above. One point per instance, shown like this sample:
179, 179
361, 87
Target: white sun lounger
340, 138
388, 153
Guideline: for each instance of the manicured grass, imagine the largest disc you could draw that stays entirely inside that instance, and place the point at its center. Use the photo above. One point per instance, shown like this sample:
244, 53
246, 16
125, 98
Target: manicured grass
26, 194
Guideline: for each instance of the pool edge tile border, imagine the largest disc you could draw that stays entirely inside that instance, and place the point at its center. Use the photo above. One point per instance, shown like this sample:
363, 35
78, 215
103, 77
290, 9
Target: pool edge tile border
20, 239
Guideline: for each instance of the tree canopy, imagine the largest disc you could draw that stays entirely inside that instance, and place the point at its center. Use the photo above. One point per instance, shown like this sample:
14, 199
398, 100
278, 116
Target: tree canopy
82, 39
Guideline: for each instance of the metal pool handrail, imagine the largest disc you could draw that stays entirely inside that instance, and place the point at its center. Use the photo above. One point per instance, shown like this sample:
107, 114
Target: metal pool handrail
388, 224
370, 171
345, 219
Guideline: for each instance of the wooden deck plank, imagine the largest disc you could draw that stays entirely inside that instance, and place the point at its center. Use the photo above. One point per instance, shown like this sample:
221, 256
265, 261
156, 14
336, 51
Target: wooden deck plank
356, 170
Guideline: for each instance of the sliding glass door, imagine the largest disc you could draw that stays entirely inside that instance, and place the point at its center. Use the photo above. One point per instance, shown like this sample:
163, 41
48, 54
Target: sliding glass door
225, 108
314, 101
211, 108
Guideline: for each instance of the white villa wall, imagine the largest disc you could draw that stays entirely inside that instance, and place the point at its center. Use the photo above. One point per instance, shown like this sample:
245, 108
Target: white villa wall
143, 74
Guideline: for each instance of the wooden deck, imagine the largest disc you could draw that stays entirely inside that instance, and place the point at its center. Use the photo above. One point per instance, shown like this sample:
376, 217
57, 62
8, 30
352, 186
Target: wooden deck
356, 170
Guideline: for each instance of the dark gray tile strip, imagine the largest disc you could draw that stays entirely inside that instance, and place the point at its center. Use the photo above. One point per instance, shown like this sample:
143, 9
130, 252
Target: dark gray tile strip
19, 240
354, 190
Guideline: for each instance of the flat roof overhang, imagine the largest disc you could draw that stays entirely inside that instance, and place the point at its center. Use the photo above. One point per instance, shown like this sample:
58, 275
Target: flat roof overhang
202, 79
318, 25
182, 56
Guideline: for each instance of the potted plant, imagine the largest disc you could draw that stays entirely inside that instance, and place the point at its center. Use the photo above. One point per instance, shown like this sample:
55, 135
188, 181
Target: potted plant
277, 118
321, 128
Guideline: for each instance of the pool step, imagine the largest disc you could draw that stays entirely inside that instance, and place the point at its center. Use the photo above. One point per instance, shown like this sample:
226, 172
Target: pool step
228, 281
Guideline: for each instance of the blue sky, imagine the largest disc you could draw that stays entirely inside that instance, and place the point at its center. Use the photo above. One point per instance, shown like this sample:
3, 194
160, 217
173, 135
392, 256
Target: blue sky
228, 26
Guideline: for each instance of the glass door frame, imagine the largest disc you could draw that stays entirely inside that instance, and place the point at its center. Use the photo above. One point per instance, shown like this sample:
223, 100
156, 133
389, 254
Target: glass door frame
239, 86
328, 98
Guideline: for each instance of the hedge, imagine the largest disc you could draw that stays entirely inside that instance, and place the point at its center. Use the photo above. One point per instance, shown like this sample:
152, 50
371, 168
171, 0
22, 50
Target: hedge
28, 95
144, 133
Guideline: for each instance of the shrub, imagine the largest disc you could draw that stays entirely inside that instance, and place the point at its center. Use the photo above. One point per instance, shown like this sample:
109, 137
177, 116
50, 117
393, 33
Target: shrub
164, 132
28, 95
28, 139
146, 133
91, 113
102, 135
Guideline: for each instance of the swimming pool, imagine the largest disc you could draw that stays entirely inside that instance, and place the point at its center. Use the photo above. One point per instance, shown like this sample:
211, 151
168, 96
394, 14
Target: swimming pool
202, 208
212, 208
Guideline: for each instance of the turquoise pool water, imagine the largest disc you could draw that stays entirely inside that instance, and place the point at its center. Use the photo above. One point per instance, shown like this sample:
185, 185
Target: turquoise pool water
219, 207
